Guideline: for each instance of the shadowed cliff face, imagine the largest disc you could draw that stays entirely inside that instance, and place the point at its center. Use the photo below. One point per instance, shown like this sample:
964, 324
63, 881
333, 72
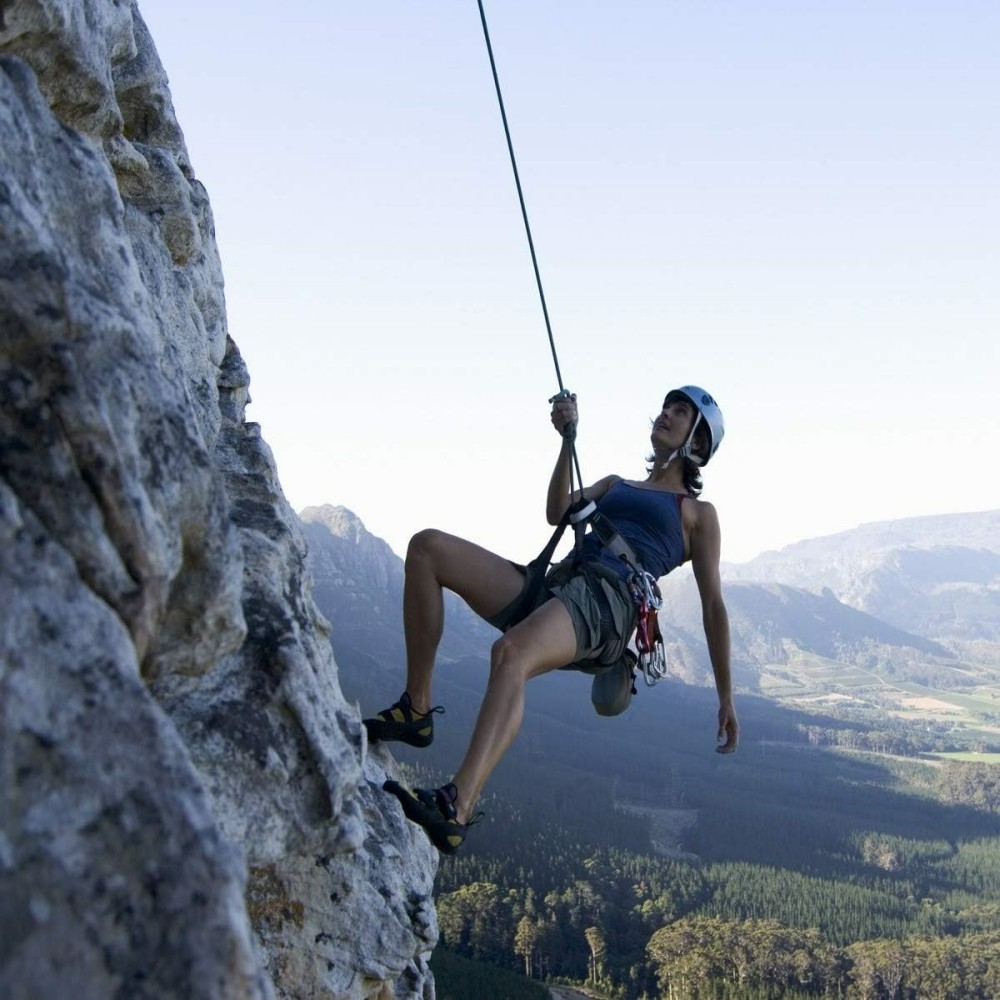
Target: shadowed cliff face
187, 805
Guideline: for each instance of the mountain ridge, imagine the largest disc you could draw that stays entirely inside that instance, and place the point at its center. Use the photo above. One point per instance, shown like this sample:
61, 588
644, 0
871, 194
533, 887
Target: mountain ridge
977, 530
937, 575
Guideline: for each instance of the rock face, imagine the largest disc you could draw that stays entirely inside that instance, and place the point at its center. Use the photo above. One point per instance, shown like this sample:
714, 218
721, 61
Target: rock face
188, 808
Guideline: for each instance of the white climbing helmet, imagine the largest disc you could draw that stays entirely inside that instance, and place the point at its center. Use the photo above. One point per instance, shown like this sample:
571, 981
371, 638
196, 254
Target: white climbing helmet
708, 410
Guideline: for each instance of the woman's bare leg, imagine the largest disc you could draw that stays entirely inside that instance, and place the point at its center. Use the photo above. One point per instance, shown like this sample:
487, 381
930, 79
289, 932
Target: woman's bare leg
544, 641
435, 560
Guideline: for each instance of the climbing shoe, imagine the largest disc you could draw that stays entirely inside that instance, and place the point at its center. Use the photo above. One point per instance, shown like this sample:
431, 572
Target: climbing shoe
401, 723
434, 810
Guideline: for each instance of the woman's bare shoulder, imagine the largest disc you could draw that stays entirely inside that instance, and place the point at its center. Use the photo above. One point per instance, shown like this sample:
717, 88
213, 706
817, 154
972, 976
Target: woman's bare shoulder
602, 486
699, 513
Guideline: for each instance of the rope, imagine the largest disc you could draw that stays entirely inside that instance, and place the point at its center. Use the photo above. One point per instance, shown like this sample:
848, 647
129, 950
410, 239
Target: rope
570, 432
652, 660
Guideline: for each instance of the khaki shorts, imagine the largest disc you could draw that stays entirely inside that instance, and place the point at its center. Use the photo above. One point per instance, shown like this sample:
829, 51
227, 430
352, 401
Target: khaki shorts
602, 629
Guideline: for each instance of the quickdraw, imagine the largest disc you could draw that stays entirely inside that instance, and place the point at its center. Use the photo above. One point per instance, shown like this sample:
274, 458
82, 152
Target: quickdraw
648, 639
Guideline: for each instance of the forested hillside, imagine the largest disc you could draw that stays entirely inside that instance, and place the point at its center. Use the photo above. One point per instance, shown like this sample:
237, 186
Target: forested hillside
846, 850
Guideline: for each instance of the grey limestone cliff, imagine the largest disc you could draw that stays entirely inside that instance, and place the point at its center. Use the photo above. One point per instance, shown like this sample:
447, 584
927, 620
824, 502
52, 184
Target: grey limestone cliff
188, 807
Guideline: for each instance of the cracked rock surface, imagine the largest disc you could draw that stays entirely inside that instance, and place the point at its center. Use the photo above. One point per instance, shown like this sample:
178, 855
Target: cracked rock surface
187, 805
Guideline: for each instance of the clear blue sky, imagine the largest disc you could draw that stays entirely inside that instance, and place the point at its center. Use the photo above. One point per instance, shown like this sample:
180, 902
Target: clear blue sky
795, 204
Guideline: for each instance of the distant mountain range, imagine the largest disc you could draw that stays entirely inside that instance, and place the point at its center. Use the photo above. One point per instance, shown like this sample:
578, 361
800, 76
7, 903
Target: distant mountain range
937, 576
901, 616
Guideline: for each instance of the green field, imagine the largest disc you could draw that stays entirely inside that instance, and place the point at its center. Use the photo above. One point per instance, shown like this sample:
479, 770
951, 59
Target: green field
813, 683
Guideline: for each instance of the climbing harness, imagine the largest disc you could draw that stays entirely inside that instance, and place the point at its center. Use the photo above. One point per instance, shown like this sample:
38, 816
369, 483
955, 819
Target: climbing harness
646, 597
642, 586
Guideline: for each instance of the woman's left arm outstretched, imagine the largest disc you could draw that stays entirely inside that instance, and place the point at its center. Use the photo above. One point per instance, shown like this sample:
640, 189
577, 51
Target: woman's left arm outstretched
706, 547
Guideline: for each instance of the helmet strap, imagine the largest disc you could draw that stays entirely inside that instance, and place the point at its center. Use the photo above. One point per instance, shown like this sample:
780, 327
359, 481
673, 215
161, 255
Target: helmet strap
685, 450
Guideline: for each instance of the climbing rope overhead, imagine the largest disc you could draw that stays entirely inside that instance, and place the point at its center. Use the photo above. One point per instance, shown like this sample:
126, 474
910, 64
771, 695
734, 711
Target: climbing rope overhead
642, 586
564, 393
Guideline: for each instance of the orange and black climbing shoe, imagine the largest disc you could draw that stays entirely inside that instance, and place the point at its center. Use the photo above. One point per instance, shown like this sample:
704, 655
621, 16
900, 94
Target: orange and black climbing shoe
401, 723
434, 810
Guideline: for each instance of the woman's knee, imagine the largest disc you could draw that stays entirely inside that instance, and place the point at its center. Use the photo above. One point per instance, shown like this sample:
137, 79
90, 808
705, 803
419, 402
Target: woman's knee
507, 658
424, 544
544, 641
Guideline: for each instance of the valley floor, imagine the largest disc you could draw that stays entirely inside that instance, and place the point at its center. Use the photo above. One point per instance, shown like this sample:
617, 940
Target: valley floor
667, 829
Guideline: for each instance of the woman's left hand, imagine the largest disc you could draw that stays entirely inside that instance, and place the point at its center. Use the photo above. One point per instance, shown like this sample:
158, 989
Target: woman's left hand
729, 728
564, 413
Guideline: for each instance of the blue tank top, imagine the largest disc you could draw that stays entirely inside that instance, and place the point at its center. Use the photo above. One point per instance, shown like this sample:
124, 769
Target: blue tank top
649, 520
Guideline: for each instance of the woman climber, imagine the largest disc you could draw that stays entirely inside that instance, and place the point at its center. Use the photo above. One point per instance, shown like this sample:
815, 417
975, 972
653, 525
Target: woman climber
585, 611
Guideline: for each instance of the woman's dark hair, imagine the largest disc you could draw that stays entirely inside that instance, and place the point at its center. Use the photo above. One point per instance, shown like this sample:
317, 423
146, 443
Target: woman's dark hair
692, 471
692, 478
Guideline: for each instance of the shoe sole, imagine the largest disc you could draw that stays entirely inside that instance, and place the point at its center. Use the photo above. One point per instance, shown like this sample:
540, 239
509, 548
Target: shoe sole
379, 730
446, 835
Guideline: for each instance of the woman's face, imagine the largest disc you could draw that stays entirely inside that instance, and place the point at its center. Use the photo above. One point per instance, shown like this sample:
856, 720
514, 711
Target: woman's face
672, 427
